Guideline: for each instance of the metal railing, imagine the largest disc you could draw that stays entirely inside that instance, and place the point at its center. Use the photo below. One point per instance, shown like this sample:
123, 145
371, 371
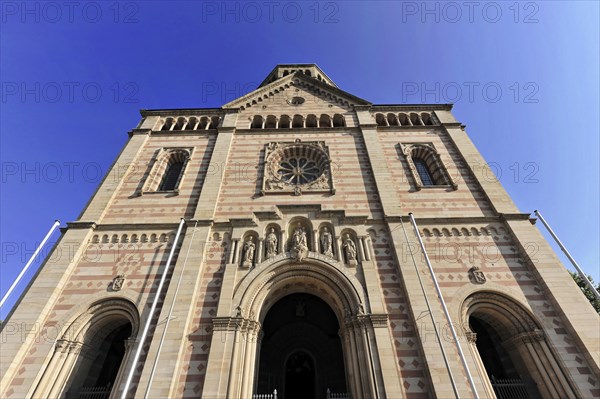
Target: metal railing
94, 392
337, 395
265, 395
509, 388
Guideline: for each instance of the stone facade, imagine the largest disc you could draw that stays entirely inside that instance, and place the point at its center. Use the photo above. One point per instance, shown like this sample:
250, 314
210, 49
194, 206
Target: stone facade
300, 188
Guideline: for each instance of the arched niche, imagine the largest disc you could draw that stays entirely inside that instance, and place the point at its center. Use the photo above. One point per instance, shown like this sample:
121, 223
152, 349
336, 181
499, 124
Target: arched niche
306, 226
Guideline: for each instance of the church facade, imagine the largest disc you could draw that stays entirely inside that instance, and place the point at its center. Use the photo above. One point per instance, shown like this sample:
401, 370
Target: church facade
273, 247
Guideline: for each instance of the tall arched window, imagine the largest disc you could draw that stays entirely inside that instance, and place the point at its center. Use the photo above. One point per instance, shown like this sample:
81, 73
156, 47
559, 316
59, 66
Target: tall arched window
171, 177
168, 170
426, 166
423, 172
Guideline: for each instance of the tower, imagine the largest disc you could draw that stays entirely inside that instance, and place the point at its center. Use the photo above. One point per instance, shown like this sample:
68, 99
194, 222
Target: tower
297, 266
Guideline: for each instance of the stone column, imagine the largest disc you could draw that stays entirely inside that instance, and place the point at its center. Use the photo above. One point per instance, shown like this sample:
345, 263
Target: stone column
259, 250
338, 249
367, 247
236, 251
315, 241
73, 351
281, 243
361, 250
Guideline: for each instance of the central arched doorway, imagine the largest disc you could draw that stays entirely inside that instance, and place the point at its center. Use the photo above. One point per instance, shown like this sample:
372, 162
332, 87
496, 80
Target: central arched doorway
301, 351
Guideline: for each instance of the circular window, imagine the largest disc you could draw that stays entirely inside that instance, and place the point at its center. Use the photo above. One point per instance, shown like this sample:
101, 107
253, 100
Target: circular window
298, 164
298, 170
296, 101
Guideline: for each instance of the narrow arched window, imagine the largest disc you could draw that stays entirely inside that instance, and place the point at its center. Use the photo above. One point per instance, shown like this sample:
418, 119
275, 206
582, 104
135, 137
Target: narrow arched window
171, 177
423, 171
426, 166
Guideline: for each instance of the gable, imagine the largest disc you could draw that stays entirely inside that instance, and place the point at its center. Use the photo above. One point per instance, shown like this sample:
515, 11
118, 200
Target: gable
288, 85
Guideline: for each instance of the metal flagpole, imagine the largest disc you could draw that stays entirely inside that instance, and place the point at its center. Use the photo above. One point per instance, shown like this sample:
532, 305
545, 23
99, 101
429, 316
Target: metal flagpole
162, 338
435, 328
140, 342
446, 313
560, 244
35, 254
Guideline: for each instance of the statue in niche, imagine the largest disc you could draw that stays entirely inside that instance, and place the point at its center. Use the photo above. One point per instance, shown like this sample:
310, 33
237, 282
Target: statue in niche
271, 242
299, 246
249, 248
327, 242
350, 250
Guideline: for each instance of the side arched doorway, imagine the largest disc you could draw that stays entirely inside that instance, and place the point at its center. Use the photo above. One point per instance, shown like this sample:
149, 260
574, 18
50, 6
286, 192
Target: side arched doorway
89, 359
514, 358
301, 351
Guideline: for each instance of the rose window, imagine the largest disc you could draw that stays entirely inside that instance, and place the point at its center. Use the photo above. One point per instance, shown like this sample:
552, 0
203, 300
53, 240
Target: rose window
298, 170
296, 166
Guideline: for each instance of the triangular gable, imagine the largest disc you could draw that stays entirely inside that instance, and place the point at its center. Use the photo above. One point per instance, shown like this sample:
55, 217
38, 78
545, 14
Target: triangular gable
323, 90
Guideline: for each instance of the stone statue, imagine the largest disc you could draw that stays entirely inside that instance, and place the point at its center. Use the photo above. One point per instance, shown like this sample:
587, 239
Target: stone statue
249, 248
349, 249
299, 247
271, 242
326, 242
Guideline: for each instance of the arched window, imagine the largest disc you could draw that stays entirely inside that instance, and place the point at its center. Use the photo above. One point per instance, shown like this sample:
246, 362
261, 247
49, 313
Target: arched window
426, 167
257, 122
338, 120
427, 120
415, 119
392, 120
167, 171
298, 121
403, 118
325, 121
311, 121
284, 122
271, 122
171, 177
168, 124
380, 120
423, 171
192, 123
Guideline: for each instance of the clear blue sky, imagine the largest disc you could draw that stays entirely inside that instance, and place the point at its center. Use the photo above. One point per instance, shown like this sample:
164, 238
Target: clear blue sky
523, 76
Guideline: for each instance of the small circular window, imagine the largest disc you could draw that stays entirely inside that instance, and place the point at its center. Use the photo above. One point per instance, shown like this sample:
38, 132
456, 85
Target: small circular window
296, 101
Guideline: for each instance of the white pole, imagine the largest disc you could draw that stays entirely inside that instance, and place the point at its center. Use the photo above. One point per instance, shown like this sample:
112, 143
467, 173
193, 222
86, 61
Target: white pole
560, 244
446, 313
140, 342
35, 254
162, 338
435, 328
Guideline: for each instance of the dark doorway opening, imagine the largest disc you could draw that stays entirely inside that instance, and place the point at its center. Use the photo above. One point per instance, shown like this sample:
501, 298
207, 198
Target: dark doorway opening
301, 351
508, 381
96, 379
299, 376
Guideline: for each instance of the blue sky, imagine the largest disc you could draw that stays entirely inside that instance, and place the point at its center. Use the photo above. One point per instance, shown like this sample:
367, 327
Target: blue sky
523, 76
